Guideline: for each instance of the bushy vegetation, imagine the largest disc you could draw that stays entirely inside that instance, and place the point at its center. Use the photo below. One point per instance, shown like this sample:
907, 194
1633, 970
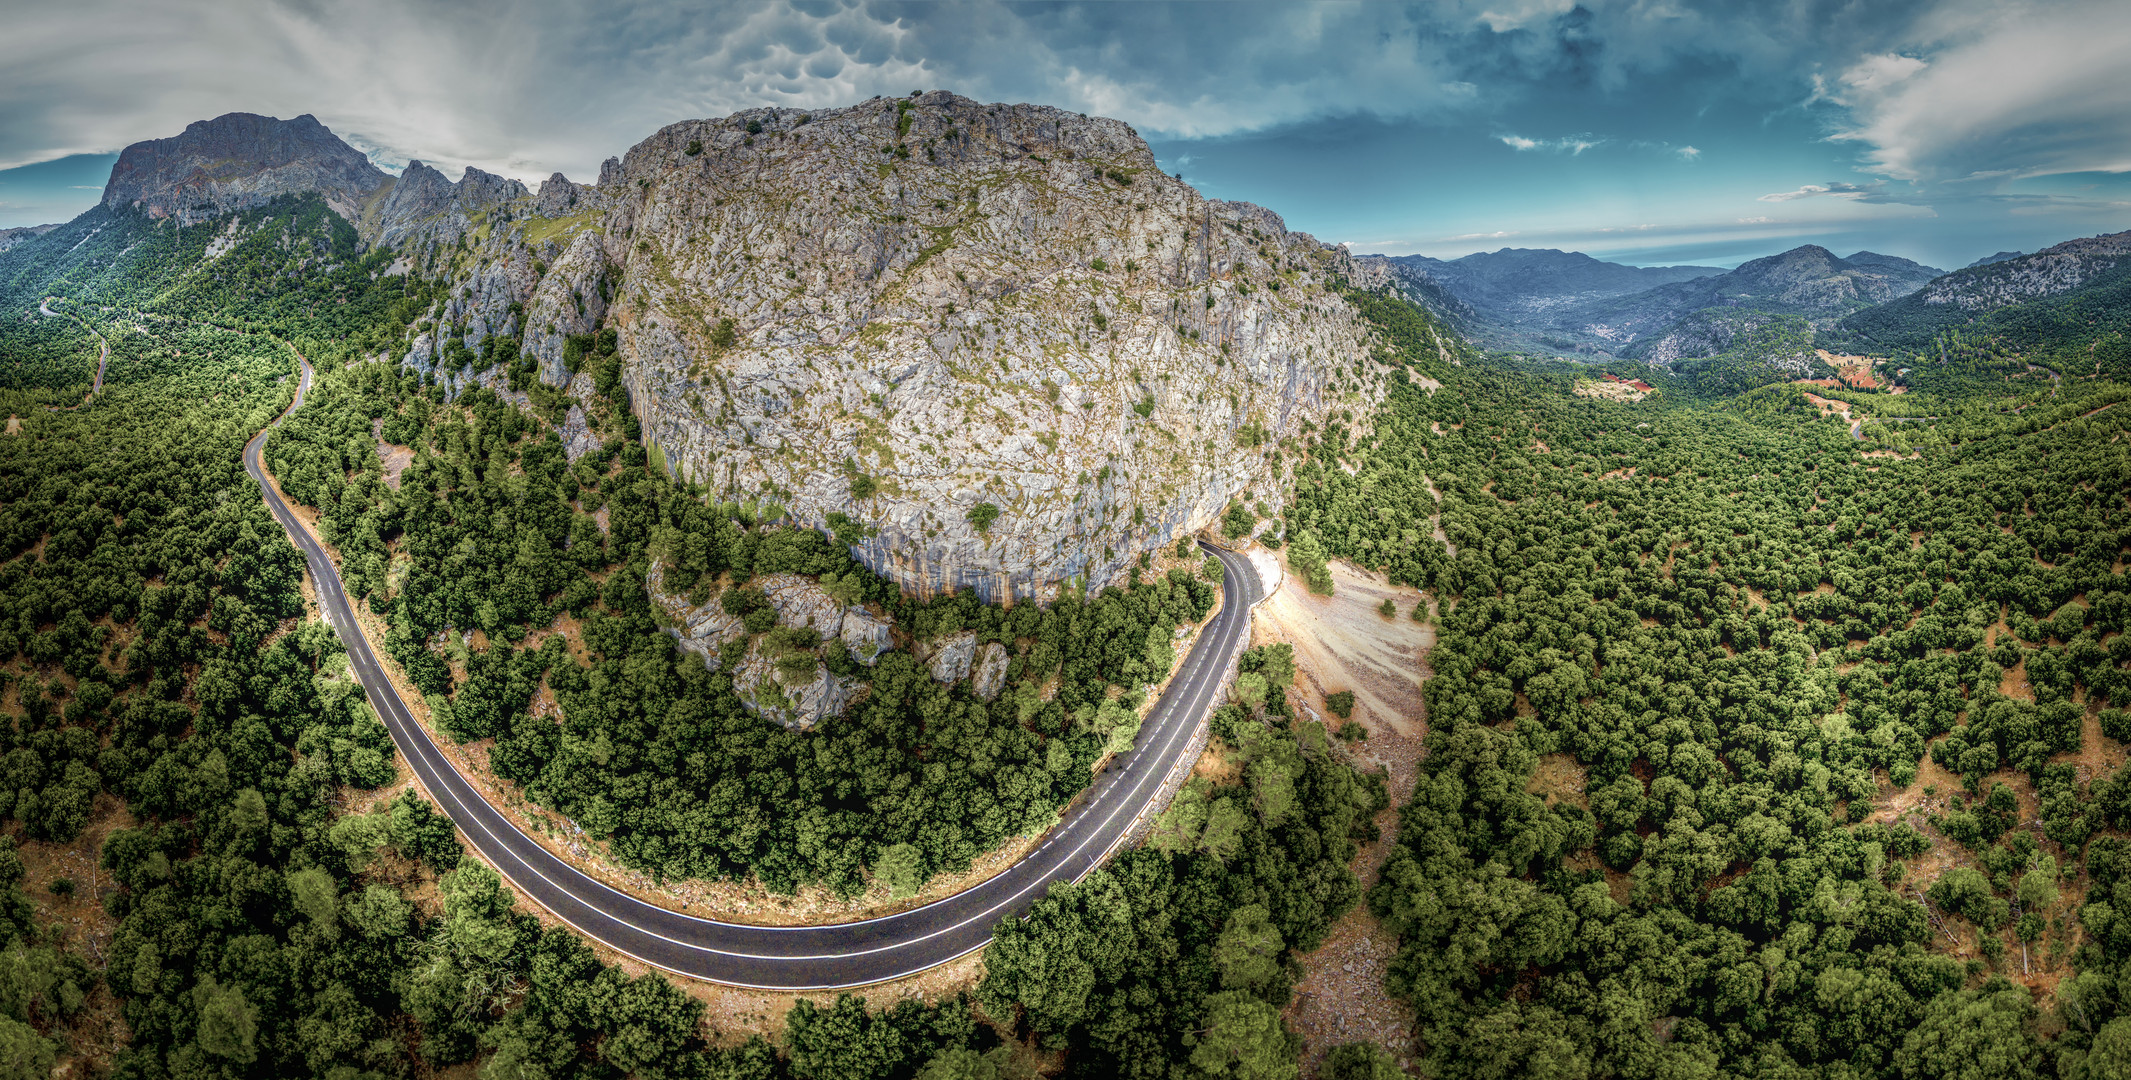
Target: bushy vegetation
1739, 632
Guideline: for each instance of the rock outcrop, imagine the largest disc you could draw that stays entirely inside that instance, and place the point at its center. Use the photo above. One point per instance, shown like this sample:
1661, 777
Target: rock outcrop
765, 687
995, 342
949, 658
241, 160
996, 337
990, 677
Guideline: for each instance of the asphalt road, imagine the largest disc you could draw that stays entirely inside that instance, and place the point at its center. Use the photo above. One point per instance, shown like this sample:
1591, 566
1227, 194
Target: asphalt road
811, 957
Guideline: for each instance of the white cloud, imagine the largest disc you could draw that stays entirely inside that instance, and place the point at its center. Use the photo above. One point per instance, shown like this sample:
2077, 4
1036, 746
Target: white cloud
1757, 220
1809, 191
2026, 88
1689, 153
1568, 144
525, 88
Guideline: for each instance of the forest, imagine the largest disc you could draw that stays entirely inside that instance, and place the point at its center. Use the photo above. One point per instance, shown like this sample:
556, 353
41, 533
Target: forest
274, 911
1755, 747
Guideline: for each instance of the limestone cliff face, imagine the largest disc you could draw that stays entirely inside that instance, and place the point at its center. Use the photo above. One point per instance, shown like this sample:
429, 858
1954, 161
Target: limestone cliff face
237, 161
901, 312
965, 304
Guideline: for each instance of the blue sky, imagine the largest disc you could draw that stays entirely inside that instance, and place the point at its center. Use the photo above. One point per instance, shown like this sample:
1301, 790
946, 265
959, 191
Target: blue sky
1649, 132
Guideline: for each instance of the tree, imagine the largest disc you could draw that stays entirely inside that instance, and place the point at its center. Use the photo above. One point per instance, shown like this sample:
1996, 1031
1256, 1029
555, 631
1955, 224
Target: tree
1244, 1038
1249, 949
902, 867
1306, 556
24, 1054
229, 1024
1360, 1061
982, 515
1340, 703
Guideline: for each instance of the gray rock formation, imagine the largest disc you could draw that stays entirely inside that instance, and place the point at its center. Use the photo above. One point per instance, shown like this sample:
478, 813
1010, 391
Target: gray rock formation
949, 304
949, 657
991, 671
700, 629
241, 160
970, 305
766, 690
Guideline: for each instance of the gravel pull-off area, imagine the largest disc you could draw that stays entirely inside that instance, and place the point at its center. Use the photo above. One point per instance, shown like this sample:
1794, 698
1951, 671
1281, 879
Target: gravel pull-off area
1343, 642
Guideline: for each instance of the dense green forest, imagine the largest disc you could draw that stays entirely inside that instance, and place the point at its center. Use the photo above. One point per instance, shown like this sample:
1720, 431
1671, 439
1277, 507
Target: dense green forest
492, 528
1752, 648
271, 920
2081, 331
1755, 747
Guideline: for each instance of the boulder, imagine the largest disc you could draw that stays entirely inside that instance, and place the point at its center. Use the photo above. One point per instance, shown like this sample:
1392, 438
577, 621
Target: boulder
866, 635
991, 671
765, 691
950, 657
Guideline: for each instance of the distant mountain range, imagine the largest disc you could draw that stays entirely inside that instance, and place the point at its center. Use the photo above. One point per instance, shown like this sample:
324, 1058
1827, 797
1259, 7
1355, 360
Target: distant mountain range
1568, 301
2075, 292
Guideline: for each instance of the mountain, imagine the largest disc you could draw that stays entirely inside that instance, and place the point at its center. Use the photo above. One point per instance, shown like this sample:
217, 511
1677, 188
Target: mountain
1809, 281
2069, 294
240, 160
10, 237
992, 347
1989, 259
1517, 283
1891, 262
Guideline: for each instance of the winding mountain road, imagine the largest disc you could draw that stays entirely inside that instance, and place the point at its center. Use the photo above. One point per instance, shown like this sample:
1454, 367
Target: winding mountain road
827, 957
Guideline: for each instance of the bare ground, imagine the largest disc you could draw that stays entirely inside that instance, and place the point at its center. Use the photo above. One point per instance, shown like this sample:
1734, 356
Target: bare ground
1343, 642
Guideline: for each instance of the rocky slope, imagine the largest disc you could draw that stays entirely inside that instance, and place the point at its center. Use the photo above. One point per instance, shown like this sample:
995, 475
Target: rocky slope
10, 237
240, 160
903, 311
2056, 269
993, 346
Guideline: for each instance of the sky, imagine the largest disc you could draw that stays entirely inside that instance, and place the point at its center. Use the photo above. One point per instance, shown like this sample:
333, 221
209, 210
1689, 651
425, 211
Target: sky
1647, 131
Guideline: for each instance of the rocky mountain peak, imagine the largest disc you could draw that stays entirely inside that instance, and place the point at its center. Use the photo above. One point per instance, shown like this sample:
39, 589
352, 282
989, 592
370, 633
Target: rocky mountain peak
990, 346
240, 160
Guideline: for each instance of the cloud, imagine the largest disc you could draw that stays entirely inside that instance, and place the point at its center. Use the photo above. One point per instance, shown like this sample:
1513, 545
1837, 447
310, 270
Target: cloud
1837, 190
1688, 153
1763, 220
1568, 144
1984, 90
525, 88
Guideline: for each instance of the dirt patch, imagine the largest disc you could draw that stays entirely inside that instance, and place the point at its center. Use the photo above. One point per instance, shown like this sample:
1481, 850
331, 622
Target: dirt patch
395, 459
1854, 371
1342, 642
1558, 778
77, 913
1610, 391
14, 424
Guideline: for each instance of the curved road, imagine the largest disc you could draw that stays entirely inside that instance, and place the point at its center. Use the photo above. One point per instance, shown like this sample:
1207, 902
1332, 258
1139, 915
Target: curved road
827, 957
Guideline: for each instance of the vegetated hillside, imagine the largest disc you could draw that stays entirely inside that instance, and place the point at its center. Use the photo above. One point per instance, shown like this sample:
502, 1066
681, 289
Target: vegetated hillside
1524, 284
260, 915
1808, 281
1755, 749
1722, 351
2066, 304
